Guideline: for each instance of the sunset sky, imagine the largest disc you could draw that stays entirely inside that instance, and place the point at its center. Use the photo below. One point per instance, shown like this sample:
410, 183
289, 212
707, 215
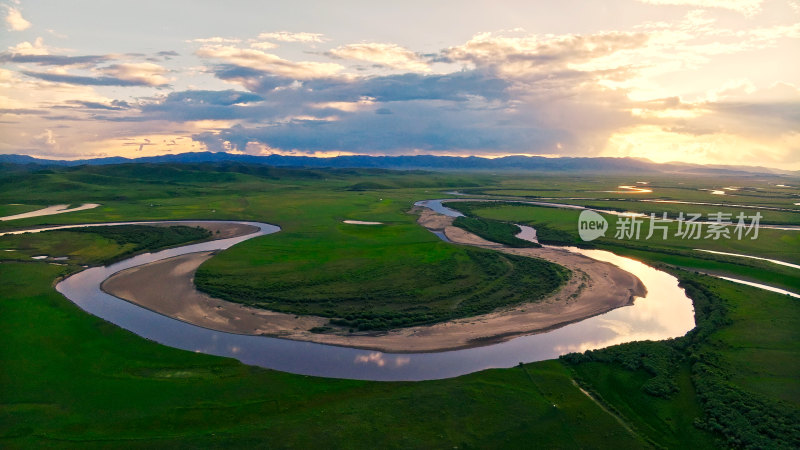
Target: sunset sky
699, 81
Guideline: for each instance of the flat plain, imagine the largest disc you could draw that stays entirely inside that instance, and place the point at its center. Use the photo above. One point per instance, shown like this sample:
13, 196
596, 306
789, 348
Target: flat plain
70, 379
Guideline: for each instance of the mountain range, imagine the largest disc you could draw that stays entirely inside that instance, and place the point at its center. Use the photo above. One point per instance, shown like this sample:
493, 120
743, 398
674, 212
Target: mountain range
426, 162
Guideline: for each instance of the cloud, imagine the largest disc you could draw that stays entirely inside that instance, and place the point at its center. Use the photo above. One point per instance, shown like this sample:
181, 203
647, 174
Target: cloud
417, 125
510, 92
390, 55
27, 48
513, 97
46, 139
53, 60
21, 111
288, 36
141, 74
224, 98
84, 80
15, 20
115, 105
457, 86
269, 63
165, 55
748, 111
527, 55
746, 7
216, 40
263, 45
206, 105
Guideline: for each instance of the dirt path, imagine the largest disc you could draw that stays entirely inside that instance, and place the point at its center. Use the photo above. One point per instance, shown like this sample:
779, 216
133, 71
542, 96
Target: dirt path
167, 287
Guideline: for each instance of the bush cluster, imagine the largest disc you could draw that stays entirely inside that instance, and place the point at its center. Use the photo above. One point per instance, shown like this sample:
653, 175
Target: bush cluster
743, 419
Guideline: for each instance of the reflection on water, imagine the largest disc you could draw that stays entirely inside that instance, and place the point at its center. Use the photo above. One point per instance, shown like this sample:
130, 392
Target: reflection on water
380, 360
527, 233
665, 310
631, 190
664, 313
441, 235
436, 205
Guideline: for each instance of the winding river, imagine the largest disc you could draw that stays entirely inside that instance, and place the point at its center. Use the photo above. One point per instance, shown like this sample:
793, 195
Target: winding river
664, 313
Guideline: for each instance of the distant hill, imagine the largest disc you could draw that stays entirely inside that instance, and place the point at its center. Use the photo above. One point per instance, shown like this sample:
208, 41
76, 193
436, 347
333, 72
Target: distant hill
426, 162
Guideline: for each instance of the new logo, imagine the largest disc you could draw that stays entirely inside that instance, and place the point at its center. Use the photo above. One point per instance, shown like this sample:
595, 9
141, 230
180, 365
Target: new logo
591, 225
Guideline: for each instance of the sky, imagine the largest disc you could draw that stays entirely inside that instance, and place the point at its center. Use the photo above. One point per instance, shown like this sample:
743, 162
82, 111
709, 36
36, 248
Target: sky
695, 81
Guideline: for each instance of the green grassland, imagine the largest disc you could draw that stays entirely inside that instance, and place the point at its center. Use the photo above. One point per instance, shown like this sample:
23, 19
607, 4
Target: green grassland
593, 191
75, 380
317, 264
71, 380
12, 209
752, 189
375, 278
559, 227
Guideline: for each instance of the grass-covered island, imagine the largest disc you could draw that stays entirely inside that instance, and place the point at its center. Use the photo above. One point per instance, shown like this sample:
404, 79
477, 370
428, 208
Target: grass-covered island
376, 278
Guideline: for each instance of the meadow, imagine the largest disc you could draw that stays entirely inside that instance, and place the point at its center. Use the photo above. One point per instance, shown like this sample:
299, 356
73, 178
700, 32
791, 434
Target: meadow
558, 227
70, 379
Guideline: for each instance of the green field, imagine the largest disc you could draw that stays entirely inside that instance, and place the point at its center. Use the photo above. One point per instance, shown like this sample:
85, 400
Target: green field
751, 189
559, 227
69, 379
12, 209
374, 278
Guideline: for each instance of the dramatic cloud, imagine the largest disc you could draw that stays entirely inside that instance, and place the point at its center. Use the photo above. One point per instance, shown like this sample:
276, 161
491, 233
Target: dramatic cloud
412, 126
390, 55
708, 86
15, 20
